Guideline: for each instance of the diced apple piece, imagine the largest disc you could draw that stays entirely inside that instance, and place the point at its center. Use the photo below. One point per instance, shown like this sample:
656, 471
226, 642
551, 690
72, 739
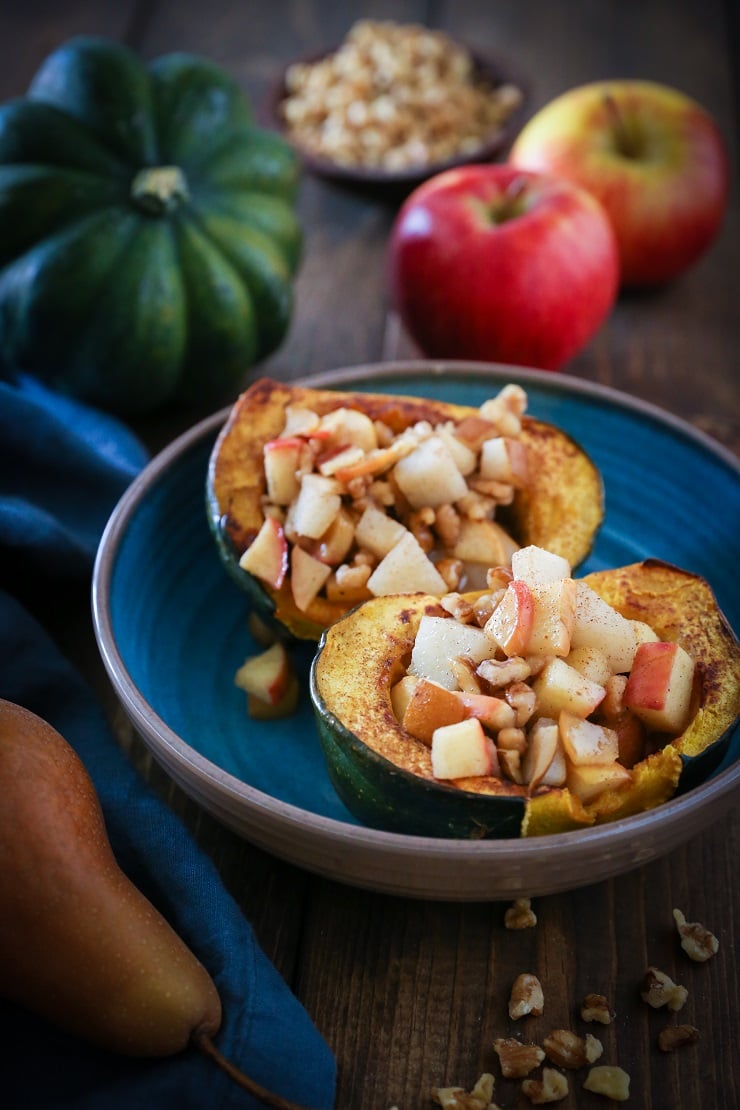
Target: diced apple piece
266, 675
466, 460
401, 694
644, 634
483, 542
474, 430
300, 421
375, 462
505, 460
559, 687
260, 710
347, 426
267, 555
586, 742
493, 713
510, 624
462, 751
431, 707
350, 591
598, 625
316, 506
429, 477
542, 747
591, 662
538, 567
553, 617
336, 542
307, 576
281, 458
378, 532
660, 686
406, 569
338, 458
587, 781
439, 640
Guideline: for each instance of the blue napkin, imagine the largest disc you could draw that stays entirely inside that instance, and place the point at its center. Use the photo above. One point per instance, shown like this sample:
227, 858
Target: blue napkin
62, 468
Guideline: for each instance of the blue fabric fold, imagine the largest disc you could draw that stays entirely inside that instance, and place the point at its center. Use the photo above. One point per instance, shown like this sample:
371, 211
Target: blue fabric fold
62, 468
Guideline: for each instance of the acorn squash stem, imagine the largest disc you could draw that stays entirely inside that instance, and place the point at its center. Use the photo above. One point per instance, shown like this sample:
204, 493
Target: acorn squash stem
159, 190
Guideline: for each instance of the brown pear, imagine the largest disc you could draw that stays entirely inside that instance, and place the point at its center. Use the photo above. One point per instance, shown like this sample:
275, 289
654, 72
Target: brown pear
79, 943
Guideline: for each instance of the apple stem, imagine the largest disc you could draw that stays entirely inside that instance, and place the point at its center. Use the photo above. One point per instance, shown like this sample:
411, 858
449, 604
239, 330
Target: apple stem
202, 1041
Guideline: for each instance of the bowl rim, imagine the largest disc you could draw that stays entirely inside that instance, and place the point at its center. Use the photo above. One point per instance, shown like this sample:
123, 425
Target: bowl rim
498, 69
170, 750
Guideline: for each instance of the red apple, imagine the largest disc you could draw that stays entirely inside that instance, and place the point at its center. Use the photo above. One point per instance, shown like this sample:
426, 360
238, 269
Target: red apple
488, 262
654, 158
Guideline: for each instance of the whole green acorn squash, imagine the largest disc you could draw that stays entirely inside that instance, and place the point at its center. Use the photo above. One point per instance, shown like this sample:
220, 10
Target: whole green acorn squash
148, 237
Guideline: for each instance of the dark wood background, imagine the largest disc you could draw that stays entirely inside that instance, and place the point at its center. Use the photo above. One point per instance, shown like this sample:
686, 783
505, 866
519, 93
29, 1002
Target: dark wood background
410, 994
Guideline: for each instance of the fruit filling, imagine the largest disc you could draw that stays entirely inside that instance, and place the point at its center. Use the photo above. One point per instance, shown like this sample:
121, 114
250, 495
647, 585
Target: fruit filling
354, 510
539, 681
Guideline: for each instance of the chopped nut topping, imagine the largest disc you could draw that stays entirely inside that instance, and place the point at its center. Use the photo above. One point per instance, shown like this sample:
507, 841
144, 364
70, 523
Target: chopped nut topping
568, 1050
697, 942
526, 997
520, 915
502, 672
455, 1098
610, 1081
658, 989
517, 1059
676, 1036
596, 1008
551, 1088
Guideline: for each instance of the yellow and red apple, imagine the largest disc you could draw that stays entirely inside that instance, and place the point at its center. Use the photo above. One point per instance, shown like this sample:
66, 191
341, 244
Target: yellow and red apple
491, 263
653, 157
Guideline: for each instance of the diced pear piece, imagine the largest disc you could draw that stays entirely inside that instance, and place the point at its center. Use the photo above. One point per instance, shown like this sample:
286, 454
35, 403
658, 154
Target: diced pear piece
553, 617
377, 532
644, 634
493, 713
335, 543
281, 457
505, 460
401, 694
538, 567
591, 662
483, 542
307, 576
462, 751
586, 742
430, 707
660, 685
350, 426
559, 686
406, 569
316, 506
429, 476
598, 625
587, 781
439, 640
542, 748
466, 460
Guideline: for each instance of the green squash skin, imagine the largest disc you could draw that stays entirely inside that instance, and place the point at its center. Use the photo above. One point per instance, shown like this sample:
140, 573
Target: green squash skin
383, 796
126, 304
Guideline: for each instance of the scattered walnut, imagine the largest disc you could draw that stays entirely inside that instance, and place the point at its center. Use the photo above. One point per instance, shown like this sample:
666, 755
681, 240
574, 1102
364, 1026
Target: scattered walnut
516, 1057
551, 1088
676, 1036
697, 942
596, 1008
520, 915
455, 1098
526, 997
610, 1081
568, 1050
658, 989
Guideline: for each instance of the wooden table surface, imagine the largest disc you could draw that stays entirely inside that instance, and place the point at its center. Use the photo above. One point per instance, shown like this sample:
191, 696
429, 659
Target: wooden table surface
410, 994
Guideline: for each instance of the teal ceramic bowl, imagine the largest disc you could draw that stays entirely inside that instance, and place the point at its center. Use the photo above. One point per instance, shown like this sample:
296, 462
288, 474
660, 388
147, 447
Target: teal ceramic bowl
172, 629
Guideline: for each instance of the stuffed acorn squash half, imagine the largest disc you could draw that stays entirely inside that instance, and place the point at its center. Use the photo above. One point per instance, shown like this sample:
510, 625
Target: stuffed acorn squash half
540, 705
321, 499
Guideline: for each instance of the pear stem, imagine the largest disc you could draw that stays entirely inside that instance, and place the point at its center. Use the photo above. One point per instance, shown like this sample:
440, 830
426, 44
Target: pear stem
202, 1041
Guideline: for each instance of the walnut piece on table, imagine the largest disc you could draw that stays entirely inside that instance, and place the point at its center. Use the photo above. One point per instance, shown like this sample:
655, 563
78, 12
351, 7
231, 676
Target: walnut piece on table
553, 1087
526, 997
568, 1050
520, 915
697, 941
676, 1036
517, 1058
596, 1008
455, 1098
658, 989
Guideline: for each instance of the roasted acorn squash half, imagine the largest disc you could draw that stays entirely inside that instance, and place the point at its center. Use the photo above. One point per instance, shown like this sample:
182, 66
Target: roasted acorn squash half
561, 508
384, 775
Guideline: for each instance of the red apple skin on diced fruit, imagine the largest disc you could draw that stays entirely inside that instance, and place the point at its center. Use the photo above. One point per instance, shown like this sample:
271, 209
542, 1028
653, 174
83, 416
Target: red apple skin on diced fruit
660, 686
462, 750
493, 713
267, 675
510, 624
260, 710
267, 556
431, 707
